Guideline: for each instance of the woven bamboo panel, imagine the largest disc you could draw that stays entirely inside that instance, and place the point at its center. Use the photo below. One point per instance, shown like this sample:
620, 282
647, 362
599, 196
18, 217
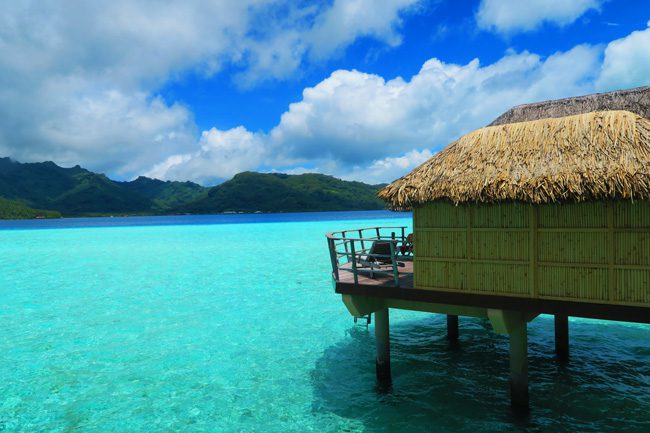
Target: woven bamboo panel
440, 275
447, 244
593, 252
500, 245
632, 215
441, 215
502, 215
632, 286
572, 247
632, 248
498, 278
582, 215
573, 283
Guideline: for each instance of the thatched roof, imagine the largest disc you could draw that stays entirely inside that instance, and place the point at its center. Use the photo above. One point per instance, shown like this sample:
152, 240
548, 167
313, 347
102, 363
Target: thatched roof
597, 155
634, 100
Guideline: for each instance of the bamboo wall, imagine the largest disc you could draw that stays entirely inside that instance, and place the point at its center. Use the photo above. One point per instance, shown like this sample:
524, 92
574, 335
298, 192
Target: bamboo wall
590, 252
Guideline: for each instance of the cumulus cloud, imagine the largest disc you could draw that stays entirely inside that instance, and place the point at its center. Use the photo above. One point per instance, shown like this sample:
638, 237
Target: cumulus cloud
279, 52
358, 125
78, 84
221, 155
508, 16
354, 116
627, 62
347, 19
112, 130
389, 168
378, 171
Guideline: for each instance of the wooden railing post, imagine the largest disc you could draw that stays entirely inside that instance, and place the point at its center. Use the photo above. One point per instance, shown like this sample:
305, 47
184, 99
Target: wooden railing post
354, 263
334, 258
393, 260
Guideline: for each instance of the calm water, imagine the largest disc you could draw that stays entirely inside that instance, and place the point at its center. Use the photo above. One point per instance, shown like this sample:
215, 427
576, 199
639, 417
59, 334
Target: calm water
230, 324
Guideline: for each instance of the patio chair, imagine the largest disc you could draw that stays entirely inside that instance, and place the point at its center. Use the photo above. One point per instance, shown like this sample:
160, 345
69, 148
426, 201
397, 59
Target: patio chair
379, 257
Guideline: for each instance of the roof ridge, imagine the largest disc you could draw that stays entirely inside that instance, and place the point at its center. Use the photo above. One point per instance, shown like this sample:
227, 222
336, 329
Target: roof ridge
636, 100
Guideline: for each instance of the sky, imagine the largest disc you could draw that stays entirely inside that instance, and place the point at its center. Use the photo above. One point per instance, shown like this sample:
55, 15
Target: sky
360, 89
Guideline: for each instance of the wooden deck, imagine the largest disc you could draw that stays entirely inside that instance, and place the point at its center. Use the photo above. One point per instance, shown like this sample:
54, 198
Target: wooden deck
346, 275
355, 246
384, 287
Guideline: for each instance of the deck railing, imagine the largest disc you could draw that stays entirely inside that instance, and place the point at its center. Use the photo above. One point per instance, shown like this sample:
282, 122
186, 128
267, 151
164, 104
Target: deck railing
370, 251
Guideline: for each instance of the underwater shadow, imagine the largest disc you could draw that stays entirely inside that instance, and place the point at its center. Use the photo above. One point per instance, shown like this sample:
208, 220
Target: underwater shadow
463, 387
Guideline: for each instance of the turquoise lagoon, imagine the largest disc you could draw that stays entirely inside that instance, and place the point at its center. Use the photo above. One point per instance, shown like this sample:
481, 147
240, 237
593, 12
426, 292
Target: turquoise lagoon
230, 324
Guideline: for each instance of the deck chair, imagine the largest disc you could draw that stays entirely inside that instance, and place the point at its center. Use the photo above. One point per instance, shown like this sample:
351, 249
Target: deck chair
380, 252
406, 249
379, 257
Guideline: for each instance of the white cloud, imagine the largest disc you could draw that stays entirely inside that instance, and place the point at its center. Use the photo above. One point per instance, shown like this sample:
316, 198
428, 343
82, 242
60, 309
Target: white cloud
389, 168
115, 131
221, 155
627, 62
78, 84
378, 171
355, 117
350, 115
287, 43
360, 126
347, 19
508, 16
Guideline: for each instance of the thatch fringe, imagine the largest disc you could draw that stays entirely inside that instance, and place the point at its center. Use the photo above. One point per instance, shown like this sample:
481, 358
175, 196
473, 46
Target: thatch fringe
635, 100
599, 155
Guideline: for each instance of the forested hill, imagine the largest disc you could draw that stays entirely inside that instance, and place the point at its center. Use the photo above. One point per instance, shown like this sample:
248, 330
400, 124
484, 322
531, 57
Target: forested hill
15, 210
76, 191
166, 195
275, 192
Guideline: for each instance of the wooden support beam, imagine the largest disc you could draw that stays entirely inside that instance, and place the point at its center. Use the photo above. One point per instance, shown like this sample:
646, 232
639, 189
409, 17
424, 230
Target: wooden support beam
505, 321
562, 337
429, 307
362, 305
452, 327
623, 313
382, 339
519, 365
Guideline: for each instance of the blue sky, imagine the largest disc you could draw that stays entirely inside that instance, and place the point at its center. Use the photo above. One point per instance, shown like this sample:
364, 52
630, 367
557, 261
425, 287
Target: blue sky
361, 89
446, 30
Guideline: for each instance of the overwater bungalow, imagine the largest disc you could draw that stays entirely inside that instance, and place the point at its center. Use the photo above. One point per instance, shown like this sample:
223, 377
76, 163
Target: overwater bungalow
544, 211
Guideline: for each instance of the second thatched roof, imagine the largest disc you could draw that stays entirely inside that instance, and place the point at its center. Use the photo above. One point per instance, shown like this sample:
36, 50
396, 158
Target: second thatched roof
634, 100
597, 155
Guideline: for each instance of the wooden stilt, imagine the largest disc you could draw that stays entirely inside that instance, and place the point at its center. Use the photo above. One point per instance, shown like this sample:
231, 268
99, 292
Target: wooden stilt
562, 337
452, 327
519, 365
382, 338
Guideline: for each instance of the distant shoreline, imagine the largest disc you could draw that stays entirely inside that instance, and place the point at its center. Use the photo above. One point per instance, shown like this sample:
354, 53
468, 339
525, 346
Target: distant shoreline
92, 216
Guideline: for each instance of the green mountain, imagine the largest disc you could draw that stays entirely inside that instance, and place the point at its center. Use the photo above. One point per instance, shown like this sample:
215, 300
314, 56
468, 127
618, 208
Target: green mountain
71, 191
166, 195
274, 192
79, 192
13, 210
